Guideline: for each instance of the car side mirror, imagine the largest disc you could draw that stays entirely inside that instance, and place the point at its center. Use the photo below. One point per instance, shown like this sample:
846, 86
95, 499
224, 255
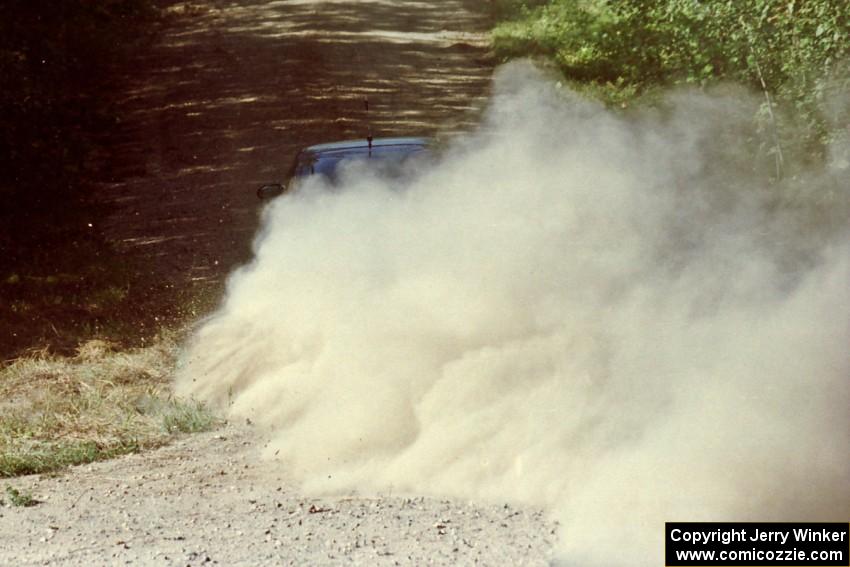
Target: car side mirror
269, 191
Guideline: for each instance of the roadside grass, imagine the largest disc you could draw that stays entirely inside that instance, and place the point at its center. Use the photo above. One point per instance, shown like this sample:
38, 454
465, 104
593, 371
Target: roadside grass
57, 412
19, 498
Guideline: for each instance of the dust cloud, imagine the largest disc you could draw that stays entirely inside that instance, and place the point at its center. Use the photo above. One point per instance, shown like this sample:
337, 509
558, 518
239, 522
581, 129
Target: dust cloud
614, 318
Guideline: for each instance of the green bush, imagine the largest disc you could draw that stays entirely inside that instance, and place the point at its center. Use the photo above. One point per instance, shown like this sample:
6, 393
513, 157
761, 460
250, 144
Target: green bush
792, 52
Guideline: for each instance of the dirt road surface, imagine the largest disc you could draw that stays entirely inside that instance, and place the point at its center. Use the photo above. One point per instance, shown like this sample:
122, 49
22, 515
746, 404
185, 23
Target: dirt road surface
217, 106
221, 103
210, 500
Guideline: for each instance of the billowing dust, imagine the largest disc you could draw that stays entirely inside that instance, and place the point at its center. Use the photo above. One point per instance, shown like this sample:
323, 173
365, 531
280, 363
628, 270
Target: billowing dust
615, 318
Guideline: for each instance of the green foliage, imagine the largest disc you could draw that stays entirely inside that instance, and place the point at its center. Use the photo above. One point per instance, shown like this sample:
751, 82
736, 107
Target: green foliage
20, 499
188, 417
48, 457
507, 9
791, 51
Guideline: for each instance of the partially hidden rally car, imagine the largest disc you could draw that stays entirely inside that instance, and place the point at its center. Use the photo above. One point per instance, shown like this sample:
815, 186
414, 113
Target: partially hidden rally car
389, 155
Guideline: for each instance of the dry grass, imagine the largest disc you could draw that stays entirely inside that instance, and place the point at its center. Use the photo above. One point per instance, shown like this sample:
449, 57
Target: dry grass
56, 412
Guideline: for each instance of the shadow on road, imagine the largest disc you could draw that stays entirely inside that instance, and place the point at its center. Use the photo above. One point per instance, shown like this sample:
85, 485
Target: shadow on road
232, 90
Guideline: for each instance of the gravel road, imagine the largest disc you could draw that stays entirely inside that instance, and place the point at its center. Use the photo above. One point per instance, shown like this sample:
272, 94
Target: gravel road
224, 99
210, 500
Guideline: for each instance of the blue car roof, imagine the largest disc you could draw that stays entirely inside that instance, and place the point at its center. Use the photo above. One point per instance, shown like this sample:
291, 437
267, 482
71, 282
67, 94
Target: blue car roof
362, 144
325, 159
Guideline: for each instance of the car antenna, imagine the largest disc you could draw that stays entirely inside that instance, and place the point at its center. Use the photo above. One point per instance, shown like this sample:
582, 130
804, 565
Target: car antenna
369, 125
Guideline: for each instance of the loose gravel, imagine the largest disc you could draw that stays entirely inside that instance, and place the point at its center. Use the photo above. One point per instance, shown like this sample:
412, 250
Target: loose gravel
210, 499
